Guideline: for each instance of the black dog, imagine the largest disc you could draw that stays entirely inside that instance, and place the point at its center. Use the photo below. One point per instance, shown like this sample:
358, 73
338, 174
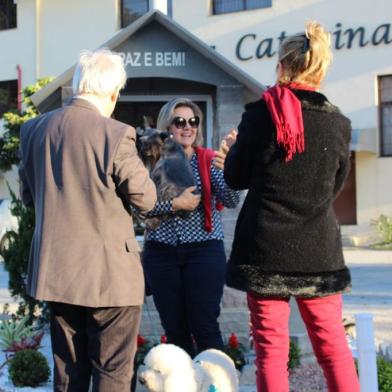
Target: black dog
149, 145
169, 168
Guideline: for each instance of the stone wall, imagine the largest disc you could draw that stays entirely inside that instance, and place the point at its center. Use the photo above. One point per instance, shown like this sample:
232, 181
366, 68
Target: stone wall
229, 105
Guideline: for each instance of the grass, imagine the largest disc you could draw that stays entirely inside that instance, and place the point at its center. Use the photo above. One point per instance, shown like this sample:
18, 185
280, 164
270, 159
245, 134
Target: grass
382, 246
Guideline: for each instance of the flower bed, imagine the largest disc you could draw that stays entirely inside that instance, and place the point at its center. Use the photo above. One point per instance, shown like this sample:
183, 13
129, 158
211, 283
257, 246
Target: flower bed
5, 382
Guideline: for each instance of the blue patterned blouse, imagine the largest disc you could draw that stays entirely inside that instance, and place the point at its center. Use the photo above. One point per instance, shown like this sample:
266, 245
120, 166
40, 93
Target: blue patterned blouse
176, 230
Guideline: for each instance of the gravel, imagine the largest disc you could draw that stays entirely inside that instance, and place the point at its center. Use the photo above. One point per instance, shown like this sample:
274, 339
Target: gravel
307, 378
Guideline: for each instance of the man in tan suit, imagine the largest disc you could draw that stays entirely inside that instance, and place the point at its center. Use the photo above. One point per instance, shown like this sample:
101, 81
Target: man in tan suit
81, 172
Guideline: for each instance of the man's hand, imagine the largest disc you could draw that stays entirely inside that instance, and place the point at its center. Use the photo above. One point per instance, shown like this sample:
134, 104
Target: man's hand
187, 201
227, 142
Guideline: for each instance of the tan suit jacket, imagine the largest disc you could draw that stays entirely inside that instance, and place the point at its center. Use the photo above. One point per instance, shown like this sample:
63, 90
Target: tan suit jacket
81, 171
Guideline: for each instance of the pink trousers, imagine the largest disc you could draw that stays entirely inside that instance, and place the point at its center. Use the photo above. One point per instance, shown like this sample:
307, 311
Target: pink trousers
323, 320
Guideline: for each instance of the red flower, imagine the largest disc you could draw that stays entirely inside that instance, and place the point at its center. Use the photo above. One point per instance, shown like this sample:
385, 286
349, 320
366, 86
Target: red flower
233, 341
163, 339
141, 341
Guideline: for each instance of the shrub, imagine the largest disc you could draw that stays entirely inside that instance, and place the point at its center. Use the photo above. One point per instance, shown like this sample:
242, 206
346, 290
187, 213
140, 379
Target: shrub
384, 228
143, 347
294, 355
16, 255
28, 368
13, 120
235, 350
12, 331
32, 342
384, 370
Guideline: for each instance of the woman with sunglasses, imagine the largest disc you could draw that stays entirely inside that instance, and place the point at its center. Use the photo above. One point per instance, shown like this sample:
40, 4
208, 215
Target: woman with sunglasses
292, 154
184, 259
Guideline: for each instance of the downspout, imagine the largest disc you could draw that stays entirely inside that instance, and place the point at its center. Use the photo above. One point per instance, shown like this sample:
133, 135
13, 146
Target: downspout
19, 71
38, 39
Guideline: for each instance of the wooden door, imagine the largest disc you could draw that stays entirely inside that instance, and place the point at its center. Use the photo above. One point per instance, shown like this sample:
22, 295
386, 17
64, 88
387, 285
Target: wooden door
345, 205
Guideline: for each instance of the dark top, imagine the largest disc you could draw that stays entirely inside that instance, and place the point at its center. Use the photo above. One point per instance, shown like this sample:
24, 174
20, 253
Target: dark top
177, 230
287, 239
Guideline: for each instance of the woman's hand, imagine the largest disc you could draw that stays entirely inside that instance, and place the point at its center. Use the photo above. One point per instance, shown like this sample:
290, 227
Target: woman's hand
227, 142
186, 201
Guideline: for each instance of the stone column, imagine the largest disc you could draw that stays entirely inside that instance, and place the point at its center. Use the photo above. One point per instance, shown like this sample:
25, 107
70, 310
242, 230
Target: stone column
228, 111
234, 316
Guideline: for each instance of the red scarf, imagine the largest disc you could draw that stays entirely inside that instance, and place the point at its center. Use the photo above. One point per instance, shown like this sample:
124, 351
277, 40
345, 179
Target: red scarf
204, 160
286, 113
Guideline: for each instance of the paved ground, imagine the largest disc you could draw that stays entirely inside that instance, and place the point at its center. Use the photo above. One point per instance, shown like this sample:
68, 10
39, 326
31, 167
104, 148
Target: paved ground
372, 293
372, 289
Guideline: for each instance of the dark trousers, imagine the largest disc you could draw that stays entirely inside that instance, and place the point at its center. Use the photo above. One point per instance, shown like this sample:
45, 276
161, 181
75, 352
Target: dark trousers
186, 282
93, 343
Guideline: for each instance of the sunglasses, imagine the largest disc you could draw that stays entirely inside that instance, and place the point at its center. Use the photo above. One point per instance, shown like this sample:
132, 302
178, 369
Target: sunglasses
180, 122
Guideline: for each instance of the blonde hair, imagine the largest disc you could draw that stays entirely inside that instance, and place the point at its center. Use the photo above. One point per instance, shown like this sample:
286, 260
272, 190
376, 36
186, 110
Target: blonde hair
100, 73
166, 116
304, 58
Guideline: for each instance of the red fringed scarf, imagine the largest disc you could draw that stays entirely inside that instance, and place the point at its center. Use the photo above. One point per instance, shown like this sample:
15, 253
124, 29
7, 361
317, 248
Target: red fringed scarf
286, 114
204, 160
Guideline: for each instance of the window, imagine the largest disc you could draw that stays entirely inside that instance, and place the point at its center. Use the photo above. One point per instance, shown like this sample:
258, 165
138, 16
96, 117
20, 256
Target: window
385, 94
225, 6
8, 96
131, 10
7, 14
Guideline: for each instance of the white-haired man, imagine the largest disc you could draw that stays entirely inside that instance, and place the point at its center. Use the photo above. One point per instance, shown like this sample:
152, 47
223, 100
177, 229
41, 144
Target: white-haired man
80, 170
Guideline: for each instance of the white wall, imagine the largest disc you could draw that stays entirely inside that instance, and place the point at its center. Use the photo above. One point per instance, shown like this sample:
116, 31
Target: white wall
374, 187
50, 35
48, 38
17, 46
67, 26
350, 84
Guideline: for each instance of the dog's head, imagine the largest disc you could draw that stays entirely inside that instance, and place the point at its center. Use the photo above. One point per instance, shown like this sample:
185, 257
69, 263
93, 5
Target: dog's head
168, 368
149, 145
172, 149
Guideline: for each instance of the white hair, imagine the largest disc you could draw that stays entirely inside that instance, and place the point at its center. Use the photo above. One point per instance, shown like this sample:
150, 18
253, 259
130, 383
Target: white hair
101, 73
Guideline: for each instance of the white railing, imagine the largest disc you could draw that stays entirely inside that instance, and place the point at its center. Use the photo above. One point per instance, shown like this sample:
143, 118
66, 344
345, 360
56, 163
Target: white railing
364, 349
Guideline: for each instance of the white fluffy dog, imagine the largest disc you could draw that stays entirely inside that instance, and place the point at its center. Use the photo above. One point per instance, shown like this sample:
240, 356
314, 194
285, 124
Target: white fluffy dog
168, 368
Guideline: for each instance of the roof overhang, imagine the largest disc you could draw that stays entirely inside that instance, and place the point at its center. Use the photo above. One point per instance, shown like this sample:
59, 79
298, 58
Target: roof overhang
177, 30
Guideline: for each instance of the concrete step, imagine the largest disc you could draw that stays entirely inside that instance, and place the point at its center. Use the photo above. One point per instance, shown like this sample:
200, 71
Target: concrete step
356, 255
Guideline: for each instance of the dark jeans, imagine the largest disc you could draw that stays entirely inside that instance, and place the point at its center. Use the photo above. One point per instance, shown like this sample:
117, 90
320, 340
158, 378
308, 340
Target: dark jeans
97, 343
186, 282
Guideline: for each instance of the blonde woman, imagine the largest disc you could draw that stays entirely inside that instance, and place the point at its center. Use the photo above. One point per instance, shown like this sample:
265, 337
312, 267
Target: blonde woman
292, 153
184, 258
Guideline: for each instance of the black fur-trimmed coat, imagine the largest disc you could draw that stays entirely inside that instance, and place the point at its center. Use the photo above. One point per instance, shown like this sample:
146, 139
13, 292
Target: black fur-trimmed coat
287, 239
